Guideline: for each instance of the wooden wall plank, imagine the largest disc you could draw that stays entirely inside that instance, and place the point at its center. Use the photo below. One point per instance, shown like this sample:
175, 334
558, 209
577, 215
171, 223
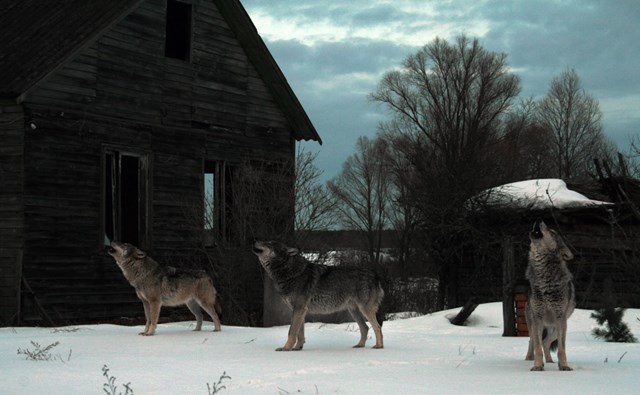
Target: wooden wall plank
12, 126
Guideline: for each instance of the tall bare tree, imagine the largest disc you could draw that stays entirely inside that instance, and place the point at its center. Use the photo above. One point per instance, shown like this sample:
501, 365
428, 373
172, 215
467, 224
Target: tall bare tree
453, 94
361, 192
450, 98
574, 119
402, 212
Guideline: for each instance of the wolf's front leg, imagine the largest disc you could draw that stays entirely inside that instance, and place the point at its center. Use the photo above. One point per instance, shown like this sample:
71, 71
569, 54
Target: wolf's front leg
154, 314
297, 324
145, 305
536, 337
562, 344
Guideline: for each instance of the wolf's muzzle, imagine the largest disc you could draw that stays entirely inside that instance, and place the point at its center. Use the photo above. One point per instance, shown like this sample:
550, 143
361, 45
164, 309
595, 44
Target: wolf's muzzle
536, 232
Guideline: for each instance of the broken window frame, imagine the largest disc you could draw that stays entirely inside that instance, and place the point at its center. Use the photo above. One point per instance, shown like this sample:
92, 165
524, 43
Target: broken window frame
125, 169
218, 200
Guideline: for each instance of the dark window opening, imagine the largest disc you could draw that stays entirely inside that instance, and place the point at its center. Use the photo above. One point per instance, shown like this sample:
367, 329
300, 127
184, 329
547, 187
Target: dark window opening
218, 201
178, 30
124, 199
130, 199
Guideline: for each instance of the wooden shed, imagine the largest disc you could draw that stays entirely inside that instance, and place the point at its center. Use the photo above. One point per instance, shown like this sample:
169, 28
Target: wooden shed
113, 114
605, 240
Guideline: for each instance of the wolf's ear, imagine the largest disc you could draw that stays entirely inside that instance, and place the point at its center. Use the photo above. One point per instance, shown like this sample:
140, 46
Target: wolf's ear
138, 254
292, 251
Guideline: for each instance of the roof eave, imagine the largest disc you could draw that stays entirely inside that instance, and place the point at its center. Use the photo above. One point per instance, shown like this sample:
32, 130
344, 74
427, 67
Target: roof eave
266, 66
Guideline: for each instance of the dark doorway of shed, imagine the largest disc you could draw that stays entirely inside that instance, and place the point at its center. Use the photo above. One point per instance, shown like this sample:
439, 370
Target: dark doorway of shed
178, 30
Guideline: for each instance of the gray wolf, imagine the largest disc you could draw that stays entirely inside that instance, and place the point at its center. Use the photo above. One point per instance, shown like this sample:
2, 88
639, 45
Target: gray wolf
551, 297
315, 288
157, 285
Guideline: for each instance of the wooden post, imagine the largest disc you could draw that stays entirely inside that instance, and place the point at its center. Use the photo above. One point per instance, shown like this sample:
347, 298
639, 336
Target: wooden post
508, 287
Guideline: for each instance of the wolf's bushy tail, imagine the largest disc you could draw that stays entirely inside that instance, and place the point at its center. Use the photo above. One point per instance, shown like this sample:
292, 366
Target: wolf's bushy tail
380, 316
218, 307
547, 332
382, 278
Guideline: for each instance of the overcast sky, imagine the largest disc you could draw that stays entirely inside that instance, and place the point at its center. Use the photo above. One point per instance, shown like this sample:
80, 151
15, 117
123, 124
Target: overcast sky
333, 54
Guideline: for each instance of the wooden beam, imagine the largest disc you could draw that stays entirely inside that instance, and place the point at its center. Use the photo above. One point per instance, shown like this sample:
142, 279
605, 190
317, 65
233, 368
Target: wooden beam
508, 287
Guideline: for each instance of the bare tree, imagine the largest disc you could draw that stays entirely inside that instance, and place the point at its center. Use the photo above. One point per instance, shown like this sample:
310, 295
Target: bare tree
451, 99
633, 157
454, 95
574, 119
402, 213
314, 205
524, 151
361, 192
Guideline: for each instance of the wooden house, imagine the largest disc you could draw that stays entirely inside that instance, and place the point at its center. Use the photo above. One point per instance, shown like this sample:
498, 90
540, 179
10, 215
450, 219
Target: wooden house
112, 116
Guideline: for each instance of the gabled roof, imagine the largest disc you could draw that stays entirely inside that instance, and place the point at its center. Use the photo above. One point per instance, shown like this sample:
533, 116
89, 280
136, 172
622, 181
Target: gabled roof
36, 36
39, 36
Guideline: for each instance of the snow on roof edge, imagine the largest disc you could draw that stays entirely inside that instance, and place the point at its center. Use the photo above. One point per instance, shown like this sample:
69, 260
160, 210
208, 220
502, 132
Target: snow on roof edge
536, 194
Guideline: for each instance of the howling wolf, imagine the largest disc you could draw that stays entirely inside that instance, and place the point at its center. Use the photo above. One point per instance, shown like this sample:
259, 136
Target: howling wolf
551, 297
158, 285
309, 287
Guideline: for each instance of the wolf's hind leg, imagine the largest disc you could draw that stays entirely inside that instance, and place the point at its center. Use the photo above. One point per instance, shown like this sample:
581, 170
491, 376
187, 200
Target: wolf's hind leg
195, 309
370, 313
364, 329
210, 307
211, 310
300, 339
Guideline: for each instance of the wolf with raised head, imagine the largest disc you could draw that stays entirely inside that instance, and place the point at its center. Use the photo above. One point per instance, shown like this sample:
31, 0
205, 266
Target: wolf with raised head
157, 285
314, 288
551, 297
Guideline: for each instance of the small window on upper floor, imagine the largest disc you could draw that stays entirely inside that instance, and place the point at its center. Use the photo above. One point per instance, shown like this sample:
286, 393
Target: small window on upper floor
177, 43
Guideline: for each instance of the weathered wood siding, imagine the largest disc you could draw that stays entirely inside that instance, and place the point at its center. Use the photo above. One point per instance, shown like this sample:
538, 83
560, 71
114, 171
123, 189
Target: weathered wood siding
121, 90
11, 212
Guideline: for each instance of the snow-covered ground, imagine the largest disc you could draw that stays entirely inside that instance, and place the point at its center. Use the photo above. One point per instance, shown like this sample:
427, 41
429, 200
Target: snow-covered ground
422, 355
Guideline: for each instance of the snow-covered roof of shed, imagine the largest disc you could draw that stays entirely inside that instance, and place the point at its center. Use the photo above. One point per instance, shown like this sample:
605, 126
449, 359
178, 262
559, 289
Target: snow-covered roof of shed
537, 194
